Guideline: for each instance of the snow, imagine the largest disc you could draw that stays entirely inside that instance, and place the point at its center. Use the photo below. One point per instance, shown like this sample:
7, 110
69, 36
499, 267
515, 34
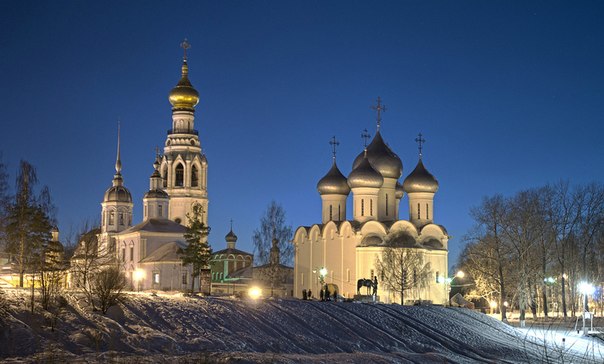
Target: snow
169, 327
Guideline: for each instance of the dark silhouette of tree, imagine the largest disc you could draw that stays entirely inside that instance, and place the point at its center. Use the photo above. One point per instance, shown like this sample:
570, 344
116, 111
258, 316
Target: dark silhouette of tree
273, 226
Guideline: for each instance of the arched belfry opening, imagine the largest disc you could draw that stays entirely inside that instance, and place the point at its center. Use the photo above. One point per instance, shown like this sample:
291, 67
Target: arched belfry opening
194, 176
179, 175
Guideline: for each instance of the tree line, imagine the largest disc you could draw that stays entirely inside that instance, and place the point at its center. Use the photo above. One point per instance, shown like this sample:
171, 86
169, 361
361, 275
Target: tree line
532, 249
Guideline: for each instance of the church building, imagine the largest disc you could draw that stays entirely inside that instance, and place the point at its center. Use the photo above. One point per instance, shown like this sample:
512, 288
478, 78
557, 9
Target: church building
347, 249
149, 252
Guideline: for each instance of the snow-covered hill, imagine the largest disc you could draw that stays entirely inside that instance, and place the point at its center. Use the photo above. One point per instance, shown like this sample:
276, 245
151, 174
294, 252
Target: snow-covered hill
166, 328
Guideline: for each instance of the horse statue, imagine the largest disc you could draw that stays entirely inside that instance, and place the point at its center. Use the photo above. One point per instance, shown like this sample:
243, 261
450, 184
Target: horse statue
364, 283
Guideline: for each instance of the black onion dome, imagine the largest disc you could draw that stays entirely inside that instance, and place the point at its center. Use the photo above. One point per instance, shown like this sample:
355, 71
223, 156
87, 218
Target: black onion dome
118, 194
364, 175
333, 183
231, 237
382, 158
420, 180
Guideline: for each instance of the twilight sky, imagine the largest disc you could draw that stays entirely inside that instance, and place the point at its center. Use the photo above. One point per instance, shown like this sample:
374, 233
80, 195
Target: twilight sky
508, 94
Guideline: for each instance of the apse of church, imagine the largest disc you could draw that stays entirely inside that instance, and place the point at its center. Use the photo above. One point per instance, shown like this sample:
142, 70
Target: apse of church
348, 249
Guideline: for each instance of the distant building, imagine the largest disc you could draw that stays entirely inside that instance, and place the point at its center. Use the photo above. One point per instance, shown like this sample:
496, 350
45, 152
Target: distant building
348, 249
226, 262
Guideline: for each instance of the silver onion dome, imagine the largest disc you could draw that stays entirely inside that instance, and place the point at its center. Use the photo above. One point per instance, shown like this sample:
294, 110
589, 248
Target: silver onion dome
382, 158
333, 183
364, 175
420, 180
117, 193
399, 191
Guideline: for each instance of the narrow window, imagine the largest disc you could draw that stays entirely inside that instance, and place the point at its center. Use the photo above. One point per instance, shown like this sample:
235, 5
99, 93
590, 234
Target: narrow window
184, 278
123, 254
371, 275
386, 204
164, 176
155, 277
437, 277
370, 207
362, 207
121, 218
339, 216
418, 216
194, 177
330, 212
111, 217
131, 253
103, 214
159, 210
180, 176
427, 212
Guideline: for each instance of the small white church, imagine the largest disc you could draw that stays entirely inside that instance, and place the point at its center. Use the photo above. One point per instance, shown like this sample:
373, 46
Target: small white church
347, 249
148, 252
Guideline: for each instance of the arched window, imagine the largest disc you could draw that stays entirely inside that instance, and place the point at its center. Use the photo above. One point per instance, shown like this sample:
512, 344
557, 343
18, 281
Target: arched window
180, 176
194, 177
111, 217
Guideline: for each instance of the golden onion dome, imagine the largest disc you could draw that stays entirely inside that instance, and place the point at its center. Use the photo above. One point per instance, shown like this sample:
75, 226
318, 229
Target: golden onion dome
420, 180
333, 183
183, 95
382, 158
364, 175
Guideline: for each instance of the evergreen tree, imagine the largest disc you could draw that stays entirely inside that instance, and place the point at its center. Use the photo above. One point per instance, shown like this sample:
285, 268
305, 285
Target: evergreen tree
198, 252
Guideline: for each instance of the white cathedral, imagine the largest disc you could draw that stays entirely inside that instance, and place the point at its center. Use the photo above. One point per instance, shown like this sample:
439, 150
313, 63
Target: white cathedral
148, 252
346, 250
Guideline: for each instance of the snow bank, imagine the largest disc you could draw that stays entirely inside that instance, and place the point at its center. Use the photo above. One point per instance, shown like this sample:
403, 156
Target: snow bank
166, 327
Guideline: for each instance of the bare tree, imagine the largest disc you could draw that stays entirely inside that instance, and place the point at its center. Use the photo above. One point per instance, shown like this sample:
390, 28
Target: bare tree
52, 273
403, 269
107, 286
273, 226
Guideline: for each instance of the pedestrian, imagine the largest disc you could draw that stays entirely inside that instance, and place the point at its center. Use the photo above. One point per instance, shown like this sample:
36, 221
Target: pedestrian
321, 295
309, 294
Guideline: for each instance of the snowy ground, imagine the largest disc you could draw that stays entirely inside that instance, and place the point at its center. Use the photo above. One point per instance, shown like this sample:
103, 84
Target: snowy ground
170, 328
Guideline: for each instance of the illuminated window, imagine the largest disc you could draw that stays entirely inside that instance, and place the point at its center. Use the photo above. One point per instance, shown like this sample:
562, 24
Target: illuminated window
155, 277
180, 176
194, 177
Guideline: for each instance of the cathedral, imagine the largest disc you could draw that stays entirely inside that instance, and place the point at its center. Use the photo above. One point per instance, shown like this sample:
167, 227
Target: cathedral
341, 252
149, 252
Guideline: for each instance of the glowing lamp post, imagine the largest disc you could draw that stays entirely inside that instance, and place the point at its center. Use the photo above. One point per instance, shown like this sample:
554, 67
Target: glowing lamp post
493, 306
254, 293
586, 289
138, 277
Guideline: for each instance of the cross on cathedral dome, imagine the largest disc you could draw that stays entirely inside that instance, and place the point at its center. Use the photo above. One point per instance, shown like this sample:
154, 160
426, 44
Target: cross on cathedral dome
183, 95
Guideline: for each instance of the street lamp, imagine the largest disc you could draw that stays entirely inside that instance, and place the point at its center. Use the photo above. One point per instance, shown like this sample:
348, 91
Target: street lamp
586, 289
493, 305
138, 276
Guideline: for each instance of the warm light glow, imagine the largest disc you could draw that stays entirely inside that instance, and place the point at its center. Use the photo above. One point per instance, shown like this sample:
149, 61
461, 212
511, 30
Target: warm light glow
493, 304
586, 288
549, 280
254, 293
139, 274
323, 272
506, 304
460, 274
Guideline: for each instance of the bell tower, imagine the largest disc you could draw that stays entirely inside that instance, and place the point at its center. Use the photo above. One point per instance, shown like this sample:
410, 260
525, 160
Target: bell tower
183, 167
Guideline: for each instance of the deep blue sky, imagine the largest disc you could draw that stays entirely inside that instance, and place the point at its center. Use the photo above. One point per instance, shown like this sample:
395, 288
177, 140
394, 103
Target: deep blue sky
508, 94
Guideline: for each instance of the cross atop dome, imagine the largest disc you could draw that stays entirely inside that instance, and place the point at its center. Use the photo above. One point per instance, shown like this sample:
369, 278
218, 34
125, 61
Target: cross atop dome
334, 143
420, 140
379, 108
185, 45
365, 136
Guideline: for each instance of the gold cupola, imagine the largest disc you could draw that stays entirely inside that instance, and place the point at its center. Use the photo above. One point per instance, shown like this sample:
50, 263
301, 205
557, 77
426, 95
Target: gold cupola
183, 95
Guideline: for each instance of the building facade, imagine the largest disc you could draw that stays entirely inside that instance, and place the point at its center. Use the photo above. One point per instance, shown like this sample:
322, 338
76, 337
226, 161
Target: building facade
348, 249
